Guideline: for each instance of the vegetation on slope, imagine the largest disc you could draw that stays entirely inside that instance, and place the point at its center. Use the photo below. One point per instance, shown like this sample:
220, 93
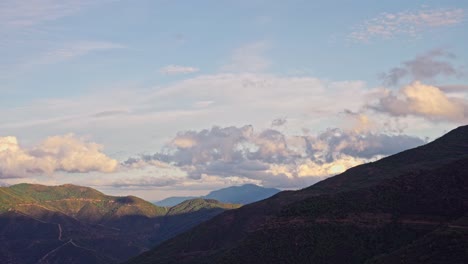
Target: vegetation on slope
75, 224
75, 201
198, 204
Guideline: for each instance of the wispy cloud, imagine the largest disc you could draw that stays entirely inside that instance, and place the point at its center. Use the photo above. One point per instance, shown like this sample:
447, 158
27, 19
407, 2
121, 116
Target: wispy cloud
178, 69
412, 23
24, 26
249, 58
424, 67
140, 182
110, 113
71, 51
17, 14
202, 101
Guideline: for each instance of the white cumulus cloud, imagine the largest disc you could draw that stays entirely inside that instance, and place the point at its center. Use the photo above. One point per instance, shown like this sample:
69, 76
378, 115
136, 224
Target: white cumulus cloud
422, 100
58, 153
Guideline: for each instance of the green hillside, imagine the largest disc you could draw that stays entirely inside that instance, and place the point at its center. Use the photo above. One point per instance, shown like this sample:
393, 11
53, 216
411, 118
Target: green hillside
198, 204
84, 203
76, 224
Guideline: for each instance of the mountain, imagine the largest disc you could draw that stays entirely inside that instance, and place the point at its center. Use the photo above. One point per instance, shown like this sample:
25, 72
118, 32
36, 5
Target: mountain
411, 207
175, 200
244, 194
75, 224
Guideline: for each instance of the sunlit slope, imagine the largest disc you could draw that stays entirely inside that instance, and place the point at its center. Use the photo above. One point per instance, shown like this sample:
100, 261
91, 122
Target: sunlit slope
76, 224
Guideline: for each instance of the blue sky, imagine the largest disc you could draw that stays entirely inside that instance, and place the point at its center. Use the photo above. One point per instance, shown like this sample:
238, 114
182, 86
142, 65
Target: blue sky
124, 95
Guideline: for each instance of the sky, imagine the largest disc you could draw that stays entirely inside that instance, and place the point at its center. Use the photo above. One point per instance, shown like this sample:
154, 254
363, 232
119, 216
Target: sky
166, 98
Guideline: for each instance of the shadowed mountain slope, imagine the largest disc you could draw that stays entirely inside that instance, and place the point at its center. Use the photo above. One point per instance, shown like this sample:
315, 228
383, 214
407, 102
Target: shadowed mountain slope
386, 211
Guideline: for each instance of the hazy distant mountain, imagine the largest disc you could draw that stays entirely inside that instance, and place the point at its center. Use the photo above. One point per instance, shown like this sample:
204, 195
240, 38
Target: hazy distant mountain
244, 194
75, 224
411, 207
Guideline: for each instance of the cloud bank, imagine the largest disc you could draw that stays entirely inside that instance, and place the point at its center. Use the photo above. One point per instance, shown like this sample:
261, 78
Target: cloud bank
59, 153
271, 158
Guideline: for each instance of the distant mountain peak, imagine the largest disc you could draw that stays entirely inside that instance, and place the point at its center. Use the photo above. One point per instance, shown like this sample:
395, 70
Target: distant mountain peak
239, 194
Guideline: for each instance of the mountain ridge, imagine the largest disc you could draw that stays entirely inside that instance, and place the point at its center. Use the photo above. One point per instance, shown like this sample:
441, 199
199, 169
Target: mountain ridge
59, 224
243, 194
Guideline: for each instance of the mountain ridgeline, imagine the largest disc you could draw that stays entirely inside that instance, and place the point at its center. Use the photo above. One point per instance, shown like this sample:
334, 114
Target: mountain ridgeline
245, 194
75, 224
411, 207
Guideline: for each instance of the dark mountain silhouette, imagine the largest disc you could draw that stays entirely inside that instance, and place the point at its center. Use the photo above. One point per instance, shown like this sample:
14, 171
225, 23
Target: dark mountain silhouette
244, 194
75, 224
411, 207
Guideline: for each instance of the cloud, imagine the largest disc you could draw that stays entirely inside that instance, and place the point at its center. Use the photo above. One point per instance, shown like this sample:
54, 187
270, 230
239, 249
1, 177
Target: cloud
279, 122
202, 101
110, 113
272, 158
454, 88
412, 23
249, 58
278, 95
71, 51
422, 100
424, 67
177, 69
14, 14
322, 170
168, 184
139, 182
58, 153
333, 143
